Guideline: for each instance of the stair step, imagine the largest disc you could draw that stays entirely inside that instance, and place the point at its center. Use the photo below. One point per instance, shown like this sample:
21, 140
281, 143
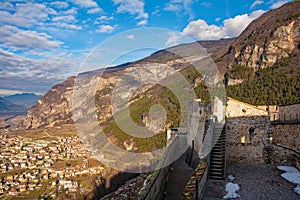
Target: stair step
218, 147
221, 170
220, 144
218, 152
218, 156
216, 167
216, 177
217, 174
216, 163
216, 135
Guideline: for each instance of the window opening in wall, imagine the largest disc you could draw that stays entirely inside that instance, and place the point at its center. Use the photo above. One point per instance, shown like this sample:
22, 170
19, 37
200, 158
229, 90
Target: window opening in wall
251, 132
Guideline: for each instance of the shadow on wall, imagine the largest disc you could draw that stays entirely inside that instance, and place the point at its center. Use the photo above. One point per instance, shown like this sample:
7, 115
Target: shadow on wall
111, 183
286, 135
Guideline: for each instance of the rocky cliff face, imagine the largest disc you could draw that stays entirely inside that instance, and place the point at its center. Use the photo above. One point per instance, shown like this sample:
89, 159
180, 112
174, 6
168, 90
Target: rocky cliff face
267, 40
53, 108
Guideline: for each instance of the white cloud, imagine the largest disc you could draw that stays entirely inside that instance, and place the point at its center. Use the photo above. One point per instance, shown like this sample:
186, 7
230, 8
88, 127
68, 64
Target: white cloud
7, 6
71, 11
278, 4
206, 4
85, 3
66, 26
130, 37
173, 7
105, 29
199, 29
26, 15
156, 12
94, 10
21, 73
142, 23
232, 27
92, 6
15, 38
181, 6
173, 40
67, 18
5, 92
59, 4
103, 19
255, 3
134, 7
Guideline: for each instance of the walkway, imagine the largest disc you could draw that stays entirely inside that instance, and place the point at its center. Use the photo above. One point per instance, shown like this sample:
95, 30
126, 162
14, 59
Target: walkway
256, 181
178, 178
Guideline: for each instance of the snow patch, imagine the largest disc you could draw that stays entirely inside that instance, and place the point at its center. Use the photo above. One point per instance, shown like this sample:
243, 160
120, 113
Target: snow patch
297, 189
288, 169
292, 175
231, 177
232, 189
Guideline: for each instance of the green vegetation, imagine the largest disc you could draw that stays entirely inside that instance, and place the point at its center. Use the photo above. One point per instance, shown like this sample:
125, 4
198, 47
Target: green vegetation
240, 72
277, 85
106, 90
163, 96
200, 89
292, 16
219, 59
141, 107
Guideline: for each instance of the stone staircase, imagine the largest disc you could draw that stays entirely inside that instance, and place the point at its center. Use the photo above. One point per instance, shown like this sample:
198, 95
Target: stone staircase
218, 154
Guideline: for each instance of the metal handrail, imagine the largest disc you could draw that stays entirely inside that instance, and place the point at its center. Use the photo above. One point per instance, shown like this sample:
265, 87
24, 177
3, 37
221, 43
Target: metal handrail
286, 147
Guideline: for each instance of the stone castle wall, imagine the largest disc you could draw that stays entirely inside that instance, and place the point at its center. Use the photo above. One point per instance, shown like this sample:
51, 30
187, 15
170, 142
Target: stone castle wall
290, 112
248, 123
287, 135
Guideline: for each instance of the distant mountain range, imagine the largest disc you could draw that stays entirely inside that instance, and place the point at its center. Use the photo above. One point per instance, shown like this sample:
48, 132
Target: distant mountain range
7, 106
18, 102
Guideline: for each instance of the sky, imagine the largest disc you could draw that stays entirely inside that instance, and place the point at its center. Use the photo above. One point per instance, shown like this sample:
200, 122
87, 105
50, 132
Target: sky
44, 42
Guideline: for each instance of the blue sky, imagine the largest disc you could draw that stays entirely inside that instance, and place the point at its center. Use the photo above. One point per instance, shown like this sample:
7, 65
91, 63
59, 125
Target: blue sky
44, 42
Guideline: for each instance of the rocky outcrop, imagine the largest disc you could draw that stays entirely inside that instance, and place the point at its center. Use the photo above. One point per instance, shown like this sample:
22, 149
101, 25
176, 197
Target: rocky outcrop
269, 39
53, 108
283, 41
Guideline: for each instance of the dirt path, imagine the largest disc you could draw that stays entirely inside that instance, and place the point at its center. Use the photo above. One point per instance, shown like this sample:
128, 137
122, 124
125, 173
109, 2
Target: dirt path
256, 181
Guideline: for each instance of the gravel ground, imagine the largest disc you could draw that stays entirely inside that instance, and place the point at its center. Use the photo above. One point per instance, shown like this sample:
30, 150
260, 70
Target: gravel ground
256, 181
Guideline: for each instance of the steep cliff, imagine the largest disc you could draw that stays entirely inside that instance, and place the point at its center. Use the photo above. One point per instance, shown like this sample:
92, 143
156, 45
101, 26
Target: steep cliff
270, 38
53, 108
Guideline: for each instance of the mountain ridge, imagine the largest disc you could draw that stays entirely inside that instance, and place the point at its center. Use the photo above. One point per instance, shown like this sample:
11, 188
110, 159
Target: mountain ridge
246, 51
24, 99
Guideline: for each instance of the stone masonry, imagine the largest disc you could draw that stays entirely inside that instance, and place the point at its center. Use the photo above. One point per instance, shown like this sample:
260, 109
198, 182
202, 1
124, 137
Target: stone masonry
247, 132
